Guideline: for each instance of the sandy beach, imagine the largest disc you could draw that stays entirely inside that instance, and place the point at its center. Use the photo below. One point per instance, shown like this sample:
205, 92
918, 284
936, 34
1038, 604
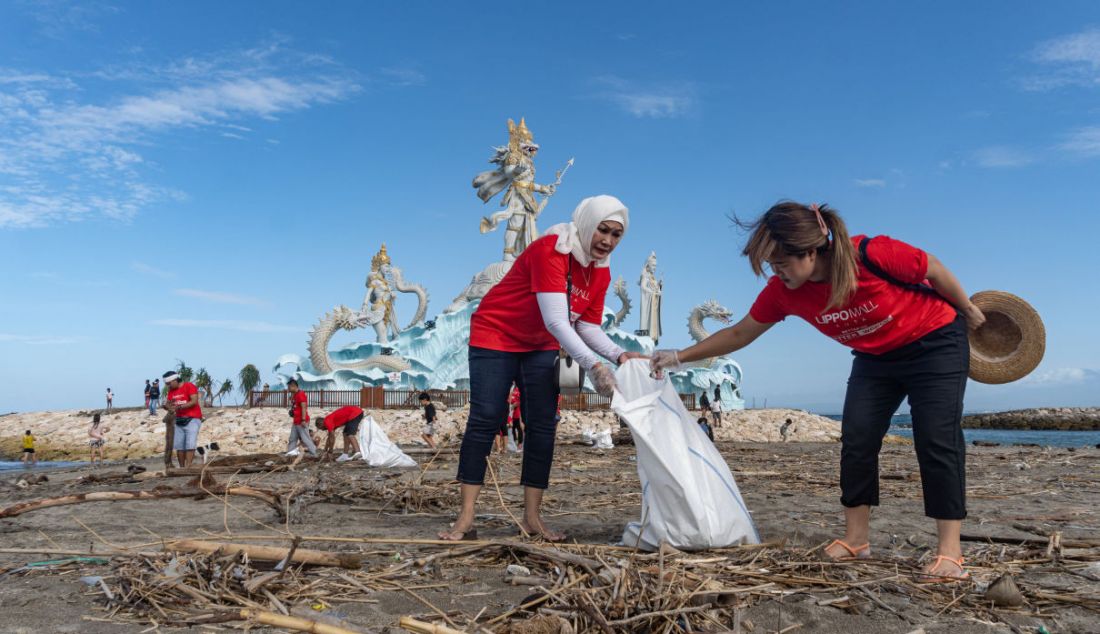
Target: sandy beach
1019, 498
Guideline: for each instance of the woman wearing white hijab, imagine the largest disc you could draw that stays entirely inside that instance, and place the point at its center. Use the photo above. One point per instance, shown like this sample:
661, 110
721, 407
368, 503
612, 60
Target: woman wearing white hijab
514, 337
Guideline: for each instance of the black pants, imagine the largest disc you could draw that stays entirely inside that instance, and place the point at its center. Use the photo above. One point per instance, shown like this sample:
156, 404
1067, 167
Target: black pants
491, 375
932, 373
517, 431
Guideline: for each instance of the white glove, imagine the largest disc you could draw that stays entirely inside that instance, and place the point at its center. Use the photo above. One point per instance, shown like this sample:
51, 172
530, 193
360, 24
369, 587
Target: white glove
603, 378
664, 360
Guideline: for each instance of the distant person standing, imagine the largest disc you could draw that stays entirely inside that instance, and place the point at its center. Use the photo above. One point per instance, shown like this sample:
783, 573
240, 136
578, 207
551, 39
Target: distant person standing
28, 449
299, 412
148, 386
97, 440
429, 419
716, 412
110, 400
183, 401
154, 397
704, 403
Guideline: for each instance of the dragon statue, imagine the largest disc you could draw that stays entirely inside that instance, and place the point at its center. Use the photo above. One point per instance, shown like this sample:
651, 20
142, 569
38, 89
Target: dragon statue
620, 292
377, 312
709, 309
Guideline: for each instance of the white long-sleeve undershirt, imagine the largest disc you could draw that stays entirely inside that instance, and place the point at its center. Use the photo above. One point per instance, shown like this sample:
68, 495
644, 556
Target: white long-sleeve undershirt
582, 343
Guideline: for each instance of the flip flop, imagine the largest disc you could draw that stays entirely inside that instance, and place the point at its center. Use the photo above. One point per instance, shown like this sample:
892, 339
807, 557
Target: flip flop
928, 577
468, 535
859, 552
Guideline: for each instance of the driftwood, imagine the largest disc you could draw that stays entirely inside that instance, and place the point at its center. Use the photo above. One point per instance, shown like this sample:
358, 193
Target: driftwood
169, 437
292, 622
111, 496
352, 561
421, 627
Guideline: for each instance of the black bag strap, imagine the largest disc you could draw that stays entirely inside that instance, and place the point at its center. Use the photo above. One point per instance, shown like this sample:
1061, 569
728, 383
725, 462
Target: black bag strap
877, 270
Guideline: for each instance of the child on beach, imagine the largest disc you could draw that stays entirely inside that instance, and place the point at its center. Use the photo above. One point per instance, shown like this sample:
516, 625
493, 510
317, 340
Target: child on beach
905, 316
97, 440
429, 419
28, 449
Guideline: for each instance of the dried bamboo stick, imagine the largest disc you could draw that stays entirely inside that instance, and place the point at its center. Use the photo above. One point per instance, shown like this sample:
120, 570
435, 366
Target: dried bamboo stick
293, 622
270, 553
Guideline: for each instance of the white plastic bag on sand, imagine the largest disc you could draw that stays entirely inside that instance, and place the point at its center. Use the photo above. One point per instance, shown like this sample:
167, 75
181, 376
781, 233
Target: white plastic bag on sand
689, 496
603, 440
512, 446
587, 436
377, 448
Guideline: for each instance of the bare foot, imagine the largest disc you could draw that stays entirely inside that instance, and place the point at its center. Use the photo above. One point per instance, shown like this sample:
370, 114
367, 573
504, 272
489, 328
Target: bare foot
461, 530
536, 528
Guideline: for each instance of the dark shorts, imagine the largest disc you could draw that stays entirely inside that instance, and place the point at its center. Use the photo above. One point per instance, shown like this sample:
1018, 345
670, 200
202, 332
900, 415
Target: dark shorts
352, 426
28, 451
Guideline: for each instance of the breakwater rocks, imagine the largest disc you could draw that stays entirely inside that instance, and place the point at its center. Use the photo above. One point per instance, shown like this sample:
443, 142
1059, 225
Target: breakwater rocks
1043, 418
133, 434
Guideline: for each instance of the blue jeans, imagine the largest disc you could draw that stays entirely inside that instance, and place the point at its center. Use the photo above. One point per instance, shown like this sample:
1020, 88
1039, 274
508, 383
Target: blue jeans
491, 375
153, 402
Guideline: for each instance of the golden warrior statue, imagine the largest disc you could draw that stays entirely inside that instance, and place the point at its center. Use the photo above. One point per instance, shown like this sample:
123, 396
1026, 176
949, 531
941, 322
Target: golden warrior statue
515, 175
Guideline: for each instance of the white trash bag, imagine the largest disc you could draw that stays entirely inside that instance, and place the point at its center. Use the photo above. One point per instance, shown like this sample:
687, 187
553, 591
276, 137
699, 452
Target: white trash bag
603, 440
378, 450
689, 496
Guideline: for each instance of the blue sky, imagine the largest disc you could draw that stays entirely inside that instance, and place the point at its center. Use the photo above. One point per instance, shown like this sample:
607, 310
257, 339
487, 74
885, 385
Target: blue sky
202, 180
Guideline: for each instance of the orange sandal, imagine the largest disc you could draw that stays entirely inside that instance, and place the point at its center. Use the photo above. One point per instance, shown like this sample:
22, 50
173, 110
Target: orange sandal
859, 552
928, 577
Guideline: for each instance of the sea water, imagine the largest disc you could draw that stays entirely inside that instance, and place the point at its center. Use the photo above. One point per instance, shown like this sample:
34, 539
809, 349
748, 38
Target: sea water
42, 465
902, 425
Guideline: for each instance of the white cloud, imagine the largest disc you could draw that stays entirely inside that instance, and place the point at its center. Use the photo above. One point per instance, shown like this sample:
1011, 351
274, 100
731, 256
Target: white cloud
1069, 60
148, 269
226, 324
66, 156
220, 298
403, 76
999, 156
870, 182
1062, 376
40, 340
652, 101
1084, 142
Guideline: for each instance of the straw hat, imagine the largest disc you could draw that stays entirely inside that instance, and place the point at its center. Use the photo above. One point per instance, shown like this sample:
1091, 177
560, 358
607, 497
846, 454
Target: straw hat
1010, 343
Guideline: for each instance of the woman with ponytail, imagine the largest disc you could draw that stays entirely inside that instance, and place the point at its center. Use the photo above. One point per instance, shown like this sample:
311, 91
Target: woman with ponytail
904, 314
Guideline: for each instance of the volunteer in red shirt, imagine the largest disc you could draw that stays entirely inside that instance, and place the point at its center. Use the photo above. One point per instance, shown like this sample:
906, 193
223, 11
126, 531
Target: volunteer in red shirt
515, 335
904, 314
183, 401
349, 418
299, 412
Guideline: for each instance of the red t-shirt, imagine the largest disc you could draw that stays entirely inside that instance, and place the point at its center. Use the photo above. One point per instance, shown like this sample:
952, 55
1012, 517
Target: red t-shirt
508, 318
513, 400
299, 404
342, 416
879, 317
181, 395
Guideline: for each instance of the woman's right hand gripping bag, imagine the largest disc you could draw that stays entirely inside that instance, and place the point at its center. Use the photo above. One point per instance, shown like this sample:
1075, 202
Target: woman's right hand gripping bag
689, 497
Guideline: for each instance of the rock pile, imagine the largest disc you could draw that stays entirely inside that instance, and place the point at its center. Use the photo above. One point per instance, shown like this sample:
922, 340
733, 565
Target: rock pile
133, 434
1046, 418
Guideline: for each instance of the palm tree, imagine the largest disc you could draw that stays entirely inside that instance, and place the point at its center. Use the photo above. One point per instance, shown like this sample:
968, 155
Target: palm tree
206, 385
249, 378
223, 391
184, 371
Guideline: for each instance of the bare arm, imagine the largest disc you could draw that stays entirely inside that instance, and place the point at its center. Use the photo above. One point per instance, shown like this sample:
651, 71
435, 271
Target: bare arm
948, 286
725, 341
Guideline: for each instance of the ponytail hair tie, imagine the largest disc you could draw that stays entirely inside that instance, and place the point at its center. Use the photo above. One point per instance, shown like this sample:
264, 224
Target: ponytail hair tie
820, 220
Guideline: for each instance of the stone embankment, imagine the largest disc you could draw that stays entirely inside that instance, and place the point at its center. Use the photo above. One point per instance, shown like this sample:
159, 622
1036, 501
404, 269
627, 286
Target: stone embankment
1044, 418
133, 434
